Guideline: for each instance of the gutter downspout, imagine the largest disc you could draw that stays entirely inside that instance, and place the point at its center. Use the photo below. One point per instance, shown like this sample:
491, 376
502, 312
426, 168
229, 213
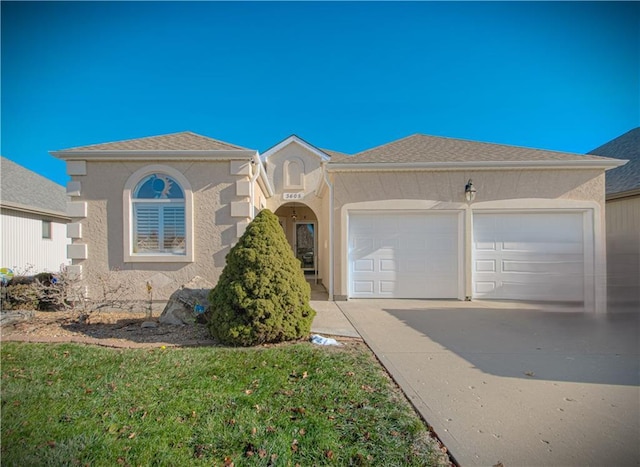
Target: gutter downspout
253, 179
330, 185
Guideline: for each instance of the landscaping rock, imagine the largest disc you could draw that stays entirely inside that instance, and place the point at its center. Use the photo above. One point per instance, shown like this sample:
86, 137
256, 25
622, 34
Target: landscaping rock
180, 308
149, 324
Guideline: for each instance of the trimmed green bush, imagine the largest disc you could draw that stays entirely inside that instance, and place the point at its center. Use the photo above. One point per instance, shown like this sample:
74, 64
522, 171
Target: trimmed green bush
262, 295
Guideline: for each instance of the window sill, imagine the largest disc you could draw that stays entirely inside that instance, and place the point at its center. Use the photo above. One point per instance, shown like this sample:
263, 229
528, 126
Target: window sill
158, 258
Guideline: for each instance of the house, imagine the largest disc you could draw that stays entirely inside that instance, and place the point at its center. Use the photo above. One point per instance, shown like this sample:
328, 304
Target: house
420, 217
623, 221
33, 210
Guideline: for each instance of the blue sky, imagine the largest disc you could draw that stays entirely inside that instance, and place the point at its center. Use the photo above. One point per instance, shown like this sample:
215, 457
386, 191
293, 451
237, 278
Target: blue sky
343, 76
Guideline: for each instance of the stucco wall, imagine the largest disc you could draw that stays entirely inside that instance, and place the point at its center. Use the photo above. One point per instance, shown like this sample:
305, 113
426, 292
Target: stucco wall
445, 190
623, 253
215, 230
313, 176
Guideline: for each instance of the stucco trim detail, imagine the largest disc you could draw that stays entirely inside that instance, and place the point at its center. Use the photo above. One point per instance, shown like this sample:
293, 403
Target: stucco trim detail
77, 209
77, 168
287, 172
74, 188
77, 251
243, 188
240, 209
132, 181
74, 230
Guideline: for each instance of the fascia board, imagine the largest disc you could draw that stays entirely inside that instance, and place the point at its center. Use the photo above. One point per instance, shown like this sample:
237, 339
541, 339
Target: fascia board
220, 155
623, 194
34, 210
489, 165
294, 139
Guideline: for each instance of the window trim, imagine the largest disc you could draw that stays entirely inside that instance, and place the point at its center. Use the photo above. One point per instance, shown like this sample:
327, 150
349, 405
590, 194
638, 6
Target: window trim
128, 217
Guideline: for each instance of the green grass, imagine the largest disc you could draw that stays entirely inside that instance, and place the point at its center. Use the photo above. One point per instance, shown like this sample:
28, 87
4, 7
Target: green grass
286, 405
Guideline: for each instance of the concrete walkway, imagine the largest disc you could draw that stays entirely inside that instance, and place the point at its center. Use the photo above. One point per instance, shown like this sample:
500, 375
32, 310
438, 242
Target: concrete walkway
329, 320
519, 384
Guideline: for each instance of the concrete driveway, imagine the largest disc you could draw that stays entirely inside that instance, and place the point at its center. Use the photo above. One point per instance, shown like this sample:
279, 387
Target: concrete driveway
520, 384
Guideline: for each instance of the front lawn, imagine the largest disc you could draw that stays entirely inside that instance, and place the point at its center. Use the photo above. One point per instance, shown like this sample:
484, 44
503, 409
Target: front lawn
285, 405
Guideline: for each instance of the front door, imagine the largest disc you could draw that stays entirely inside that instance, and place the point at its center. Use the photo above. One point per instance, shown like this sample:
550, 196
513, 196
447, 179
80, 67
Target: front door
305, 244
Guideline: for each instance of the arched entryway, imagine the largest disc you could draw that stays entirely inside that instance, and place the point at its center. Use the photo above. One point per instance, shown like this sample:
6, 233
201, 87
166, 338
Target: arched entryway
300, 225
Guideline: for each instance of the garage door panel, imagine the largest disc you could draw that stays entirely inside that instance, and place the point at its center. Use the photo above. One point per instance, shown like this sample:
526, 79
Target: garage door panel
363, 265
543, 267
528, 256
415, 255
388, 265
549, 247
363, 286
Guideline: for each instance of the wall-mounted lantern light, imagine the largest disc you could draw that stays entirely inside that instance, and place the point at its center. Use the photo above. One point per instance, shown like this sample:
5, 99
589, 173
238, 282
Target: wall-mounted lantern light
294, 216
470, 191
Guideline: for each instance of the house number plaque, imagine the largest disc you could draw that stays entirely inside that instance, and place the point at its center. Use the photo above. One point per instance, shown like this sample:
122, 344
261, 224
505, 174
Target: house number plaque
292, 196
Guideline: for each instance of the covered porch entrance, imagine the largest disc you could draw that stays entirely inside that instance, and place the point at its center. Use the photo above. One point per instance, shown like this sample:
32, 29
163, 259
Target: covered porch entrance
300, 226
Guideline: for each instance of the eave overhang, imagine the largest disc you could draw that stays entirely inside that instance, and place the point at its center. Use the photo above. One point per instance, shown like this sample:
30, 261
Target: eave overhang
623, 194
35, 210
153, 155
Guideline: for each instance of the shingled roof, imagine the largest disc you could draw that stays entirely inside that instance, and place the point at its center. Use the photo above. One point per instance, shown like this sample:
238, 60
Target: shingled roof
335, 155
184, 141
423, 148
22, 189
627, 177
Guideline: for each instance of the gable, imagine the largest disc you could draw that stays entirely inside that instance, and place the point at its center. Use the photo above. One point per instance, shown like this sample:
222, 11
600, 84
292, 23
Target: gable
298, 142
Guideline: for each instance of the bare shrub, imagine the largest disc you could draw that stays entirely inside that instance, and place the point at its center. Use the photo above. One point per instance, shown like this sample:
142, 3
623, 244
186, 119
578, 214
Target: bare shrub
66, 290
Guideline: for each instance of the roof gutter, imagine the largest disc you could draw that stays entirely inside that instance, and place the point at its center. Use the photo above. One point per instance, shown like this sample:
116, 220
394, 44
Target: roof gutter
488, 165
34, 210
146, 155
623, 194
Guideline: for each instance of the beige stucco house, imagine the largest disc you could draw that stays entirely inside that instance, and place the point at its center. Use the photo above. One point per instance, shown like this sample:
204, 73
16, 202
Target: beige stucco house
420, 217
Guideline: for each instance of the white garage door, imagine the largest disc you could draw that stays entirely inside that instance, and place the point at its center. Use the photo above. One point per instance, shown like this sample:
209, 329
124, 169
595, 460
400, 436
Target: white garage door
536, 256
403, 255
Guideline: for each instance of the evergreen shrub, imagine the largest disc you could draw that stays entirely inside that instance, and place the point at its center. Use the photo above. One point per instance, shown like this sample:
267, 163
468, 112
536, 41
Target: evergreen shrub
262, 295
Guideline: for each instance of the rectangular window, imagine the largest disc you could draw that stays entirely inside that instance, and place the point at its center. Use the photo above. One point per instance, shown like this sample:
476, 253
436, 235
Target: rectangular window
159, 229
46, 230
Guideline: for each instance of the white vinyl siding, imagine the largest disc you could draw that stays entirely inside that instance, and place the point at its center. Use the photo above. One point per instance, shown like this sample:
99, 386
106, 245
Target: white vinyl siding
23, 246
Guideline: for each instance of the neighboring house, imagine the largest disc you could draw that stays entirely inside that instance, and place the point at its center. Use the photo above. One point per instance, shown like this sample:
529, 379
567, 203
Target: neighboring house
34, 234
623, 221
421, 217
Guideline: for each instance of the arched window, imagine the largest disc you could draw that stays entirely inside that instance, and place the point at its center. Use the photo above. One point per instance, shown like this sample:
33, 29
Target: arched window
159, 216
